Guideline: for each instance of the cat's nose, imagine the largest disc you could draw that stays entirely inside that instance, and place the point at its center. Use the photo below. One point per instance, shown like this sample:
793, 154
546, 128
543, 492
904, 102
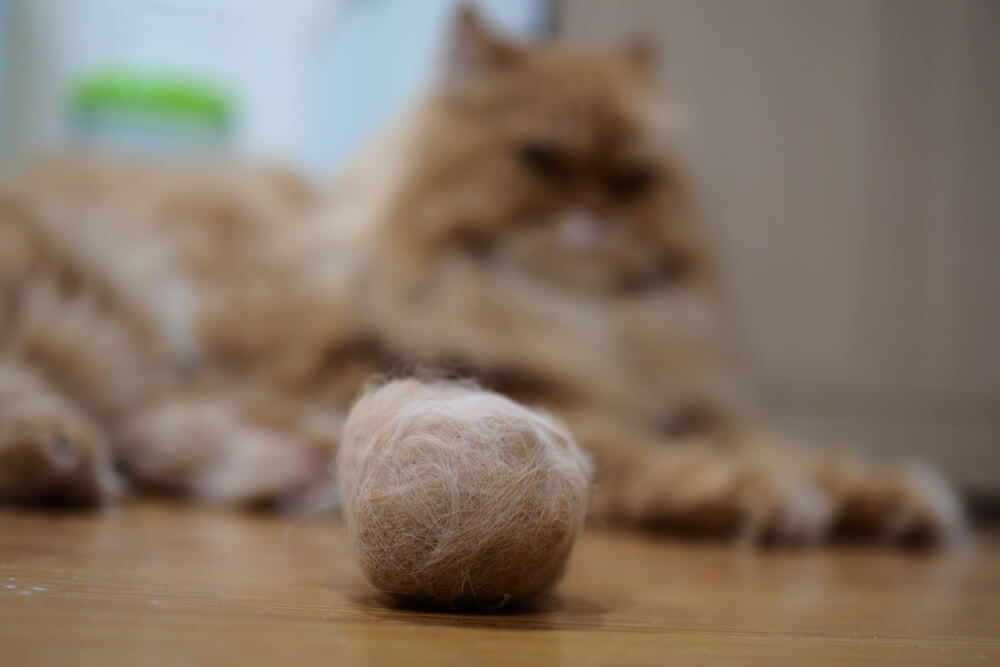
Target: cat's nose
582, 229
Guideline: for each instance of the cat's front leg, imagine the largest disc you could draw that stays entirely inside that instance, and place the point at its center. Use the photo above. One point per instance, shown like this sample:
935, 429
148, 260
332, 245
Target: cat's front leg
227, 447
754, 485
695, 485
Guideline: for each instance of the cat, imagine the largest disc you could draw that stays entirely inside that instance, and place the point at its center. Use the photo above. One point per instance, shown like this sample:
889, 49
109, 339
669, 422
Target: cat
530, 224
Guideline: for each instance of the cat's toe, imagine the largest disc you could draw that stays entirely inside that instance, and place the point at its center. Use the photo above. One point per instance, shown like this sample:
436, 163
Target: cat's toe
776, 507
928, 509
910, 505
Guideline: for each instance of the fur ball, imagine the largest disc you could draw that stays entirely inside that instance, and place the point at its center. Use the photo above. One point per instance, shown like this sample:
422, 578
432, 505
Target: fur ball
459, 497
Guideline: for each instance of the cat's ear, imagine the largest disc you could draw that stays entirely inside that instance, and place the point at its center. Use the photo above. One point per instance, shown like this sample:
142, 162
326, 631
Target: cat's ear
643, 55
472, 49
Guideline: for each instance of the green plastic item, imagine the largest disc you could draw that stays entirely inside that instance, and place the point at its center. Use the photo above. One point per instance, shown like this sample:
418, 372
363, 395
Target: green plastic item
153, 94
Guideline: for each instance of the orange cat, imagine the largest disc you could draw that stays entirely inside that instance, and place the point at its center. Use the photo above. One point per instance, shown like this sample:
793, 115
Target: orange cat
529, 225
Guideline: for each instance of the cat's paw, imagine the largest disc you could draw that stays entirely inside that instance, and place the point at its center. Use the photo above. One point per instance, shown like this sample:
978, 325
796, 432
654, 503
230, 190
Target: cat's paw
50, 453
745, 500
911, 504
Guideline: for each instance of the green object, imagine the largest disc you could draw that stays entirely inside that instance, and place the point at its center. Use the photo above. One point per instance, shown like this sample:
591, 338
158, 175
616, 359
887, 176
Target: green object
155, 93
150, 109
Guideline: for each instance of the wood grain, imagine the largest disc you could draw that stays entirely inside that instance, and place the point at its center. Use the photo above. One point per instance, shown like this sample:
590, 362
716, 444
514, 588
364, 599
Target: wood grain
153, 584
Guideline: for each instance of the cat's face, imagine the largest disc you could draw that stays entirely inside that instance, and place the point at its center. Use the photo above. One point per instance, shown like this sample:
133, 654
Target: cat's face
552, 161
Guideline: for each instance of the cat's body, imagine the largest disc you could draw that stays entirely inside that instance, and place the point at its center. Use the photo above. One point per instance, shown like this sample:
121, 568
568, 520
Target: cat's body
529, 225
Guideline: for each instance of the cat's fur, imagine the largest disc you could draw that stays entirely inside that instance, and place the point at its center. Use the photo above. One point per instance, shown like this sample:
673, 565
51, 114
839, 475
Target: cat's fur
529, 225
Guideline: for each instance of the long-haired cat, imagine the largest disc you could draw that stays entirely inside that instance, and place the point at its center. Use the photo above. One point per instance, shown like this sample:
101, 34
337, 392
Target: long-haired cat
529, 224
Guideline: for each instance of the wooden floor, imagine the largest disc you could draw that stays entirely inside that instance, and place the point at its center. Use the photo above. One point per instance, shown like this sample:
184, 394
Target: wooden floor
148, 584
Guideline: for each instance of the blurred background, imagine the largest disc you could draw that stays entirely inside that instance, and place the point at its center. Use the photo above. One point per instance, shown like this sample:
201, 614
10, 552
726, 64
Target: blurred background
848, 154
300, 81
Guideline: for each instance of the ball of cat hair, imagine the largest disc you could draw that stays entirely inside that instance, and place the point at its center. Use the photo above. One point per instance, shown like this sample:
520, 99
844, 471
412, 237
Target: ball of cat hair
459, 497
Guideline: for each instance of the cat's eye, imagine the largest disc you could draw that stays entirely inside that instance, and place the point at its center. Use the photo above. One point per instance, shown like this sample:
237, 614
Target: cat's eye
543, 159
632, 181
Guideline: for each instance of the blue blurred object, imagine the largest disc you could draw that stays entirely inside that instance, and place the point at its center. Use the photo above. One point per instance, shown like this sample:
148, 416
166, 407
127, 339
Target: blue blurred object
301, 81
4, 9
